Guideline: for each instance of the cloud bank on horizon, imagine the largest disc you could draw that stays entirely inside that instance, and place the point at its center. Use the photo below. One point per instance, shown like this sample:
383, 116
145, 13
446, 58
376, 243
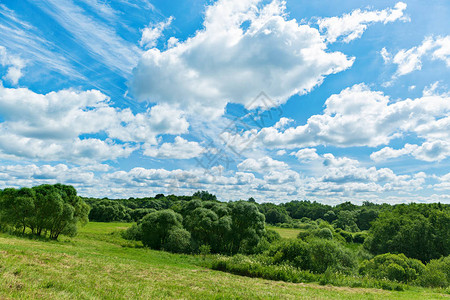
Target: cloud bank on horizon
265, 99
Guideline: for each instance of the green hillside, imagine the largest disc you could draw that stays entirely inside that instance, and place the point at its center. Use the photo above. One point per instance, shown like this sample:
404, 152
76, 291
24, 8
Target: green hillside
99, 264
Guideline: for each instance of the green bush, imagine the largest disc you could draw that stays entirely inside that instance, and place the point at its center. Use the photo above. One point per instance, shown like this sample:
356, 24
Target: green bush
254, 267
178, 241
293, 252
272, 235
316, 255
436, 274
359, 237
396, 267
330, 254
348, 236
157, 225
324, 233
133, 233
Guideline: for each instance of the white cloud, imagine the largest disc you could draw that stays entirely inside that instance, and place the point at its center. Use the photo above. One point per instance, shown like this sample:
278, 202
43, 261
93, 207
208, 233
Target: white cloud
337, 179
14, 65
152, 33
306, 155
429, 151
358, 116
347, 177
434, 48
261, 165
281, 152
352, 26
443, 183
49, 126
240, 62
387, 57
388, 152
179, 149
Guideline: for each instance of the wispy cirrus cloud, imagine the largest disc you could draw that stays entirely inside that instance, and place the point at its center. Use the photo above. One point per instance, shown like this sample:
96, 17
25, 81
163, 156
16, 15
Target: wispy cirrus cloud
100, 40
19, 36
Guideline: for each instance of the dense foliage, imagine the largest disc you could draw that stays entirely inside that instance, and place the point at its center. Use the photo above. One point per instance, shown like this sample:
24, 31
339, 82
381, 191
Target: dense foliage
225, 228
417, 230
45, 209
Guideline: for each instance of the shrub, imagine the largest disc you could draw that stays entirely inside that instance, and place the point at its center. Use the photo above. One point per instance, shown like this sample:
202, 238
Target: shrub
330, 254
272, 235
293, 252
359, 237
324, 233
396, 267
133, 233
178, 241
436, 274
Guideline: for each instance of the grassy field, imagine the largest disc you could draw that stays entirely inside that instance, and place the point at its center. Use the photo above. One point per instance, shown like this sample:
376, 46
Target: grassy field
287, 233
99, 264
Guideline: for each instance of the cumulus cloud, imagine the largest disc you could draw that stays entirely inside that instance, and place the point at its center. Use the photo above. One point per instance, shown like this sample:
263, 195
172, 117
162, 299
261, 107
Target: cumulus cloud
51, 126
261, 165
443, 183
409, 60
179, 149
14, 65
225, 62
358, 116
152, 33
346, 177
306, 155
351, 26
429, 151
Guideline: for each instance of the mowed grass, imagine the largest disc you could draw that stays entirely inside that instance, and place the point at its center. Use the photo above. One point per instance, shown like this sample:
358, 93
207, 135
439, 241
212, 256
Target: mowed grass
99, 264
287, 233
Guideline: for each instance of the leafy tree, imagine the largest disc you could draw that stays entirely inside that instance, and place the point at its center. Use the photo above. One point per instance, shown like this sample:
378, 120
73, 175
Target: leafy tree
346, 220
45, 209
365, 217
178, 241
248, 226
109, 211
202, 223
16, 207
276, 215
157, 226
205, 196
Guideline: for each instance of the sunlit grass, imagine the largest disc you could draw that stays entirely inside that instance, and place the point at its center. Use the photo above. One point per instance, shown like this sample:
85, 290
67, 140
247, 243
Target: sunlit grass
99, 264
287, 233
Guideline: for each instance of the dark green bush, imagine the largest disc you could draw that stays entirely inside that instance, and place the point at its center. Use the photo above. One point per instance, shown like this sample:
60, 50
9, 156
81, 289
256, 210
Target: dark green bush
156, 227
330, 254
178, 241
133, 233
396, 267
436, 274
324, 233
359, 237
294, 252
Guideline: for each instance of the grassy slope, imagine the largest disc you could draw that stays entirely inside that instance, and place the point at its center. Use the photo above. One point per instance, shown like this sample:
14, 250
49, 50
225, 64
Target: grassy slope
287, 233
99, 265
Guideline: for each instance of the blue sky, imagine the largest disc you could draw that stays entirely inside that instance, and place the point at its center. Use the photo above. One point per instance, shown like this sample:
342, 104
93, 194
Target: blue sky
328, 101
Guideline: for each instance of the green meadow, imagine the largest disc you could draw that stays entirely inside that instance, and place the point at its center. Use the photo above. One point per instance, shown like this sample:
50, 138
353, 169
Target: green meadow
99, 264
